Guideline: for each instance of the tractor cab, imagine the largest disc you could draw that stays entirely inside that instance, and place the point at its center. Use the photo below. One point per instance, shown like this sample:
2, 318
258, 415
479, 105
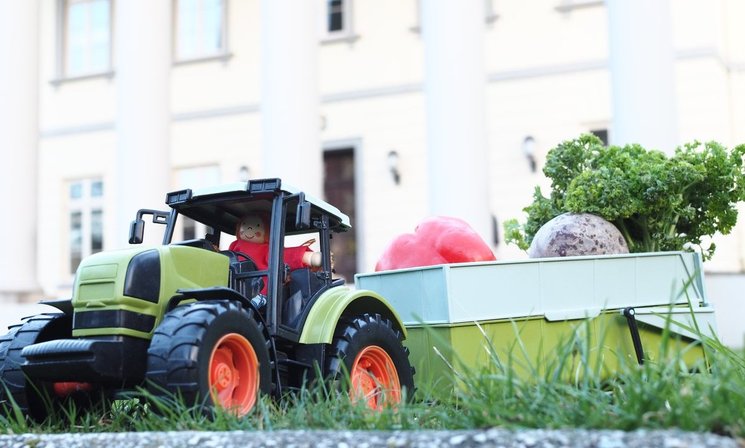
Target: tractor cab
293, 218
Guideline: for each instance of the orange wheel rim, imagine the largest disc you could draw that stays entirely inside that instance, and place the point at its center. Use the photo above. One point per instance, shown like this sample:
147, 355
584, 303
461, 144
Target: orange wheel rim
234, 374
374, 378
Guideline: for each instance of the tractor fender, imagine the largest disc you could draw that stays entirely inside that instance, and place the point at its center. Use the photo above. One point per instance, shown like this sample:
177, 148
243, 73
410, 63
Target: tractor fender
64, 305
341, 301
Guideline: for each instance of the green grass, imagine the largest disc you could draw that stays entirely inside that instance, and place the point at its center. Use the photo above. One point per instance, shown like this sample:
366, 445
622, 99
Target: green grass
659, 394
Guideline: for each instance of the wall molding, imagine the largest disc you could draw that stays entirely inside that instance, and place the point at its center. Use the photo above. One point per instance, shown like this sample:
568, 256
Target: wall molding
589, 65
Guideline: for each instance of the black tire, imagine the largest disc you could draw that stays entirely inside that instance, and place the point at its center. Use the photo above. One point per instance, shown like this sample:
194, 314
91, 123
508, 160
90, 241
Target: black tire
33, 398
182, 347
359, 334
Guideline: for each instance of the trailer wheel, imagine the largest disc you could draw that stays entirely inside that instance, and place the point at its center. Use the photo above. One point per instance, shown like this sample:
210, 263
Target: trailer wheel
371, 352
32, 398
210, 354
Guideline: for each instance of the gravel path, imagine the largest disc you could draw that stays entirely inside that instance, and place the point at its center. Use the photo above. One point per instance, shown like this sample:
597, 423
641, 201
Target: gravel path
390, 439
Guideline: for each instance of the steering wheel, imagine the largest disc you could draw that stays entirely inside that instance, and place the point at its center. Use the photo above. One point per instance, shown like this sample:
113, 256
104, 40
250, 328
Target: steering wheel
234, 254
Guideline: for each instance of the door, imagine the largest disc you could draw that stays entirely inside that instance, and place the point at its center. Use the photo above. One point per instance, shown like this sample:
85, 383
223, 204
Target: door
339, 190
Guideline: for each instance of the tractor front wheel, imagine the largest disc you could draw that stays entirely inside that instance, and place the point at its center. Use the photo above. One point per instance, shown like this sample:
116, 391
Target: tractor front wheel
33, 398
211, 354
370, 351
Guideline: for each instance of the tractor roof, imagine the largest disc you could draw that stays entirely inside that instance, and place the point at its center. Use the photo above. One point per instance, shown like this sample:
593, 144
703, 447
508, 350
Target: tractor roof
223, 206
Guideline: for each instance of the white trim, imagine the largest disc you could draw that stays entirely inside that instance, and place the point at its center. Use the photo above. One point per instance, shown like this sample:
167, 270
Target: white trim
108, 74
363, 94
549, 70
567, 6
75, 130
219, 57
334, 38
217, 112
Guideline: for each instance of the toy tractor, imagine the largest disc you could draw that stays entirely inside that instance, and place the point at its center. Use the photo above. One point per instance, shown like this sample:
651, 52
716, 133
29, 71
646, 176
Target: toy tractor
182, 318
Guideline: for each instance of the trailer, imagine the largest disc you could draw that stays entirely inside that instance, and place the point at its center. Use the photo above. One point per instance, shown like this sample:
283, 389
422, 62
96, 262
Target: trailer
620, 307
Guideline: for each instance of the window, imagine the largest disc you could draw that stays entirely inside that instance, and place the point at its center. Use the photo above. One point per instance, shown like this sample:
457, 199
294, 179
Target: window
337, 19
85, 38
200, 29
335, 16
86, 220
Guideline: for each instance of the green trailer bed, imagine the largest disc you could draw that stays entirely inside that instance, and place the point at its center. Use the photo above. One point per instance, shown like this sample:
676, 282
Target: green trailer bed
523, 310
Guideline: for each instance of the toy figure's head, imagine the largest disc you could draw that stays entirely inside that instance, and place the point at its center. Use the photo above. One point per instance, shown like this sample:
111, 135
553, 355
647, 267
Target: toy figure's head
253, 228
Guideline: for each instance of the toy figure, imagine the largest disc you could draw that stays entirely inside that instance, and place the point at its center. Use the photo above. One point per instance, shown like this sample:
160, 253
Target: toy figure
252, 234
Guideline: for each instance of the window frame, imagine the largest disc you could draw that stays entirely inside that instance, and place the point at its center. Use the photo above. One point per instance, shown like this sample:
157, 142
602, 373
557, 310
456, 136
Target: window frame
223, 54
62, 72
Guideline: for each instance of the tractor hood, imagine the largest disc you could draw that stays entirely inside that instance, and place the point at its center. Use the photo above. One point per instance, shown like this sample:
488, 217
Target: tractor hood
125, 292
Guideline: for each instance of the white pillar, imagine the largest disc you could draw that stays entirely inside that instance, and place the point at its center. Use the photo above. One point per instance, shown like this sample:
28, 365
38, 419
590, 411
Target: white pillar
19, 68
455, 86
642, 63
142, 74
290, 114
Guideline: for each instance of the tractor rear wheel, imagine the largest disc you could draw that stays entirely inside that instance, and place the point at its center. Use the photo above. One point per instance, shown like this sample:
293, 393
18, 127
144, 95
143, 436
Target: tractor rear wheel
211, 354
371, 352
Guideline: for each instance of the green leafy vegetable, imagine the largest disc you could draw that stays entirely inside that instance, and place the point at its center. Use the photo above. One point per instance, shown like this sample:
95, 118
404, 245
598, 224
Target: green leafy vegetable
658, 202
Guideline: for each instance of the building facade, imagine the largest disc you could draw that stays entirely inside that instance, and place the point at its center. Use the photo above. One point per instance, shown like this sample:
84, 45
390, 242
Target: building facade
393, 110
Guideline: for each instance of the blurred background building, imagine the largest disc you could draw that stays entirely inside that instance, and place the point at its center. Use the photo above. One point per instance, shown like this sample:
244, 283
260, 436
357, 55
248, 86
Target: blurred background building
393, 110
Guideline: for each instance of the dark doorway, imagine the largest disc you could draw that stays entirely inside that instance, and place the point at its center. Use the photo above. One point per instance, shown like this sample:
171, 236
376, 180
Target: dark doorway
339, 189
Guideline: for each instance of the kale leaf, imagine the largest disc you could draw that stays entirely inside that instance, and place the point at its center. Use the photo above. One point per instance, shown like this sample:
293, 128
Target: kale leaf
658, 203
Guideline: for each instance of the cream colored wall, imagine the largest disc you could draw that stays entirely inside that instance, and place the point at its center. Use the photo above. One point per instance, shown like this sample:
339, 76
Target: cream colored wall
547, 75
386, 52
535, 34
229, 142
211, 85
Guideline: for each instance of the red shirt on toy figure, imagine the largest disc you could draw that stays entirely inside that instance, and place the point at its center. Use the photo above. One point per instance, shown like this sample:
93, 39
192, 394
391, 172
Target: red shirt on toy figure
253, 235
